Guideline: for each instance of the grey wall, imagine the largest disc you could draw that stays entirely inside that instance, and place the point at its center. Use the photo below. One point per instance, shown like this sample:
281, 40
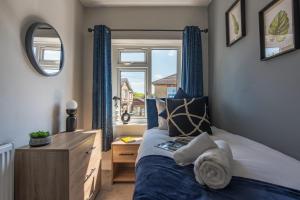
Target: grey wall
29, 101
137, 18
256, 99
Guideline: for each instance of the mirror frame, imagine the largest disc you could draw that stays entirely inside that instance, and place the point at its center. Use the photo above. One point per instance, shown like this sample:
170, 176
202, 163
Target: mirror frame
29, 51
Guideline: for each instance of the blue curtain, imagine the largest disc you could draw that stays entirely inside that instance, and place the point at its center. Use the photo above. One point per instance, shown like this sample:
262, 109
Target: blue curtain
192, 66
102, 86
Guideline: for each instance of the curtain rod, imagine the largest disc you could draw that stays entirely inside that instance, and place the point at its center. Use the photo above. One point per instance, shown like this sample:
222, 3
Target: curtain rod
145, 30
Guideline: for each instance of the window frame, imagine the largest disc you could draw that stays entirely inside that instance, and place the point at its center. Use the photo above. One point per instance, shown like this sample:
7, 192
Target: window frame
146, 46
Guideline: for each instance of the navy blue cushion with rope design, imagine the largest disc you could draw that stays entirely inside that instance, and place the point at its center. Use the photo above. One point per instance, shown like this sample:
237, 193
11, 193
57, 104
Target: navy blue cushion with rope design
188, 117
179, 95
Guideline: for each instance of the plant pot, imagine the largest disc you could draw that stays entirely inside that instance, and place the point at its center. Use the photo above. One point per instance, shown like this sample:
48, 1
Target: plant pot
38, 142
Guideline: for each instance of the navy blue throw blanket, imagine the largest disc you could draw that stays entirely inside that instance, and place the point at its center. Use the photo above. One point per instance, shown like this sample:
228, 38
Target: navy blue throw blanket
160, 178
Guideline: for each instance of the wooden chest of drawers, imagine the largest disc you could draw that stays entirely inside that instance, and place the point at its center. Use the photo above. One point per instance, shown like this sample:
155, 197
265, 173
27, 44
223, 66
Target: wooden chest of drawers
67, 169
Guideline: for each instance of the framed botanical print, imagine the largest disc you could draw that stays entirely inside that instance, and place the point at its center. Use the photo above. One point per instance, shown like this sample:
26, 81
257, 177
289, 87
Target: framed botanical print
235, 22
279, 28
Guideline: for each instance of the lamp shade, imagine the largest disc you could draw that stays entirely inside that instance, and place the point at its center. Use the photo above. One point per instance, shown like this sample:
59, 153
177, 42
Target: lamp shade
72, 105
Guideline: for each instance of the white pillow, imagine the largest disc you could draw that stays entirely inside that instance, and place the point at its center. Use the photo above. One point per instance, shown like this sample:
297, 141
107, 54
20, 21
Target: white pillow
162, 123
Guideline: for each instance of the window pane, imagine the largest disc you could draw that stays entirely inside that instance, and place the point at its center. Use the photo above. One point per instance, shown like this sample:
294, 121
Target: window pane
133, 93
132, 57
34, 50
164, 73
171, 92
51, 55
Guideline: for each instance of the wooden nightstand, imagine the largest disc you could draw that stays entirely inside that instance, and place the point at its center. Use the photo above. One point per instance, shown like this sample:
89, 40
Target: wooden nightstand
123, 160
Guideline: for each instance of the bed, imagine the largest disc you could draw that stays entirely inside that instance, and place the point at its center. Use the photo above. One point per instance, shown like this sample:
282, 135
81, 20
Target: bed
260, 173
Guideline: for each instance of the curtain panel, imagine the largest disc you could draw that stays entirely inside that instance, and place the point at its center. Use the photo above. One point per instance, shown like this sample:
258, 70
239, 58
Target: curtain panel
192, 64
102, 85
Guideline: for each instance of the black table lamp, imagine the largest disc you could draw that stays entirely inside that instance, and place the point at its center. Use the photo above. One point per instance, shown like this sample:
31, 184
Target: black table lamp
71, 122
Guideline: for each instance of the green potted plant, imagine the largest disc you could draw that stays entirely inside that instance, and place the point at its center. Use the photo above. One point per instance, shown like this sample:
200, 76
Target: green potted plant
40, 138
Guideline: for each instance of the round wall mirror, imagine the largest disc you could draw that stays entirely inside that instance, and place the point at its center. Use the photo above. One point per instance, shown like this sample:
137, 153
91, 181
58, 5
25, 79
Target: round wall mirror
44, 49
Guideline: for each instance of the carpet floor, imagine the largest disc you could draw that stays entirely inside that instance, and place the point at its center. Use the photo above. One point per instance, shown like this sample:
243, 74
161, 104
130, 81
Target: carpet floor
117, 191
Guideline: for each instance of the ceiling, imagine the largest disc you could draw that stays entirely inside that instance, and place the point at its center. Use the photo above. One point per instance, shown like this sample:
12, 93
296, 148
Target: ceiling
125, 3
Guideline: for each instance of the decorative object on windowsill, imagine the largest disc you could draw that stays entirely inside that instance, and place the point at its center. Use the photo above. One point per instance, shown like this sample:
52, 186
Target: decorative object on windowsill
279, 28
40, 138
71, 121
235, 22
116, 106
125, 117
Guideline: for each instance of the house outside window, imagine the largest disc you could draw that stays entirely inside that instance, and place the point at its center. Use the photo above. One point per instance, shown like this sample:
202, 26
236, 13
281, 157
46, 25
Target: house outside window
126, 97
165, 87
133, 93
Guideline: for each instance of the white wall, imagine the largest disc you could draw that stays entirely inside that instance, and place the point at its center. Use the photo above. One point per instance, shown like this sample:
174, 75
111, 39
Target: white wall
29, 101
137, 18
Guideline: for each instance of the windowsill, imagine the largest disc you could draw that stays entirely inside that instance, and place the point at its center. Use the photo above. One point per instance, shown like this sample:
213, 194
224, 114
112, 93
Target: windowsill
120, 123
134, 121
131, 129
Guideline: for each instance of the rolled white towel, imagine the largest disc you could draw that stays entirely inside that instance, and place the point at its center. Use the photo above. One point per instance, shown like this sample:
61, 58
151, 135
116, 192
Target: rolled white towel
214, 167
188, 154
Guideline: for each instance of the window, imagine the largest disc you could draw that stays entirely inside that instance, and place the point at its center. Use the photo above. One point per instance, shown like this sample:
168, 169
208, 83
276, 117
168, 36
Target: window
132, 56
164, 72
133, 92
48, 53
171, 92
34, 51
141, 71
49, 58
51, 55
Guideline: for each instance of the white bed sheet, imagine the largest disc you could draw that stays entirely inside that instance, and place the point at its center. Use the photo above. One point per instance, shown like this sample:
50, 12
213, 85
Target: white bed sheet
251, 159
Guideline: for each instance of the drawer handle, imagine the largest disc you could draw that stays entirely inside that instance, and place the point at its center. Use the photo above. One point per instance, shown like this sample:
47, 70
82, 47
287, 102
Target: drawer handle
126, 154
91, 150
91, 195
89, 175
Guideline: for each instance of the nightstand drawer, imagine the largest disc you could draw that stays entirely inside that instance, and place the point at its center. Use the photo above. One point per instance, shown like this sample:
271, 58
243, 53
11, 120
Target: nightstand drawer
125, 153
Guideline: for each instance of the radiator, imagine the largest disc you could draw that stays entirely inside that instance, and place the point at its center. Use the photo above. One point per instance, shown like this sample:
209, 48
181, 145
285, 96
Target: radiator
6, 172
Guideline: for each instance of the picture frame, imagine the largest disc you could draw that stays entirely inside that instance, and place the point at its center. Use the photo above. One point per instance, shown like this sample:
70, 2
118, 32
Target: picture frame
279, 28
235, 22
